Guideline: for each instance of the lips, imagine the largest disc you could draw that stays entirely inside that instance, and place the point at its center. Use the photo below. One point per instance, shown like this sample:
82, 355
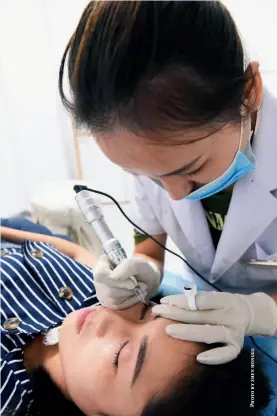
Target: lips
82, 317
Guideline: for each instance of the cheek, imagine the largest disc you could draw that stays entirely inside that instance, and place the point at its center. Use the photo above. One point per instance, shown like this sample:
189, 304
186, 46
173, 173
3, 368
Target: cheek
88, 372
68, 331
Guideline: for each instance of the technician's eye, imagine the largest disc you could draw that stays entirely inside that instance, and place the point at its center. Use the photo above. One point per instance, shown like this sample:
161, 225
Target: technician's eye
192, 174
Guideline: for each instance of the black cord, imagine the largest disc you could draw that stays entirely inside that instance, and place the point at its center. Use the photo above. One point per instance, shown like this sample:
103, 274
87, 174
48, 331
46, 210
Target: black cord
150, 236
85, 188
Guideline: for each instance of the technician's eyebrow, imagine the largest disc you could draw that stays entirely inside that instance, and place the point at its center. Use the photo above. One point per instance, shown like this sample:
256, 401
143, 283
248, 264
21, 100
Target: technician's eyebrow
140, 359
185, 168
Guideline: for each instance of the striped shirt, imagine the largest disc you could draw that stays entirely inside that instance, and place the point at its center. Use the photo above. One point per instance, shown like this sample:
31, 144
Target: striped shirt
32, 277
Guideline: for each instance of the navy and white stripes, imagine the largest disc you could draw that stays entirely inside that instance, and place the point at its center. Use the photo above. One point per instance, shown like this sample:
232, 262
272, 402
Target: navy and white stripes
30, 286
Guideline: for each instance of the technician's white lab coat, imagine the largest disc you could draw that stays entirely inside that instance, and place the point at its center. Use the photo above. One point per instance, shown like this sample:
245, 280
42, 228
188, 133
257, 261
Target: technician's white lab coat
250, 229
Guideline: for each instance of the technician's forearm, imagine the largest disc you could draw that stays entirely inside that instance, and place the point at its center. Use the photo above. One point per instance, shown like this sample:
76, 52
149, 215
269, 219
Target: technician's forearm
150, 251
158, 263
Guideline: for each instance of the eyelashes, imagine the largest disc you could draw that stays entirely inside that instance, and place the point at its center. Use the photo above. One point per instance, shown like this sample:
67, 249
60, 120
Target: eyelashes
117, 353
122, 344
195, 172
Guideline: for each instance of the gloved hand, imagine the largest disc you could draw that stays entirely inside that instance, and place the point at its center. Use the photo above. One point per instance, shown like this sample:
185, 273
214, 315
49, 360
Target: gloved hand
114, 288
221, 318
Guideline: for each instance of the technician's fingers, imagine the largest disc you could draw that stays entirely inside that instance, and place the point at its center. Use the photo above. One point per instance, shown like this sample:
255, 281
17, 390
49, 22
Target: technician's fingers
102, 268
124, 284
219, 355
103, 291
209, 334
118, 292
134, 266
192, 317
203, 300
127, 303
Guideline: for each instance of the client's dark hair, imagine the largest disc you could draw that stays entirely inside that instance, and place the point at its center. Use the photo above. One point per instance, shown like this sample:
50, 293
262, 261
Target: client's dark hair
154, 67
216, 390
221, 390
48, 398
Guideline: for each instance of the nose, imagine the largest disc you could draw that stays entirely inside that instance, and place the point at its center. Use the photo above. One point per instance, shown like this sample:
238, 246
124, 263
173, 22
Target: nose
108, 321
177, 187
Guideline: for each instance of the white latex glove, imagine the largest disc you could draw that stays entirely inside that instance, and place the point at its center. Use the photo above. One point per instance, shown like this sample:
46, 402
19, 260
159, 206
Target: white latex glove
114, 288
221, 318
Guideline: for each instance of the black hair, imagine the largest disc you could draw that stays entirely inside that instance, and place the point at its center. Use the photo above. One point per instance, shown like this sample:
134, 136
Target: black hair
154, 67
48, 398
218, 390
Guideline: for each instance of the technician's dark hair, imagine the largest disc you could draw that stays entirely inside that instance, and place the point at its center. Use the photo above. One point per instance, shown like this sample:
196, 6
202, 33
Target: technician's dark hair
154, 67
216, 390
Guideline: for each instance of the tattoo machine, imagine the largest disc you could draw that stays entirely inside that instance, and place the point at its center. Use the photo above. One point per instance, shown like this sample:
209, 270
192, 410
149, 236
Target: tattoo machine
111, 246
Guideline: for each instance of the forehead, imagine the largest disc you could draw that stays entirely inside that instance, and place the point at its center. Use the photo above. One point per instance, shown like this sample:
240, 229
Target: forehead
142, 155
166, 358
164, 349
138, 153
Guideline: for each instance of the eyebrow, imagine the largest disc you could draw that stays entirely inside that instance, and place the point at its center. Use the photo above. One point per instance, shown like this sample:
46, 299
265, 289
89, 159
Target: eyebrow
185, 168
140, 359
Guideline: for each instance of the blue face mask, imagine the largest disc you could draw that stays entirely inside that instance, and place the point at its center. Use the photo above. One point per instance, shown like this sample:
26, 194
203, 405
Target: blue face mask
241, 165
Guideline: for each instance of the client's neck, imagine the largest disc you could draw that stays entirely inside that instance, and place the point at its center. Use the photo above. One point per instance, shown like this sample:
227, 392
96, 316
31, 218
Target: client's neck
34, 354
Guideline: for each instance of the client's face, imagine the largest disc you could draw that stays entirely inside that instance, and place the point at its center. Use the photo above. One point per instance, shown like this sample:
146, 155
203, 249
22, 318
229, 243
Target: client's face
114, 362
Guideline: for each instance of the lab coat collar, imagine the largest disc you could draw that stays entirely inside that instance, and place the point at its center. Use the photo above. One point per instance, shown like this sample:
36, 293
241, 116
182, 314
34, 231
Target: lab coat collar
192, 220
253, 205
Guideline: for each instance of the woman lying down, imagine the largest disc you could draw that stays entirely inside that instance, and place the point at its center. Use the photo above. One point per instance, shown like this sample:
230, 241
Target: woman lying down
117, 362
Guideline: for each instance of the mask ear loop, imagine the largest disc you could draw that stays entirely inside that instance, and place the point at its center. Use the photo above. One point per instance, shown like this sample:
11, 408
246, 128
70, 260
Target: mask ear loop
241, 131
242, 112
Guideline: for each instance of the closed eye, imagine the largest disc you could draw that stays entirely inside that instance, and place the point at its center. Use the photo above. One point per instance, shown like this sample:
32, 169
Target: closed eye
200, 169
117, 353
194, 173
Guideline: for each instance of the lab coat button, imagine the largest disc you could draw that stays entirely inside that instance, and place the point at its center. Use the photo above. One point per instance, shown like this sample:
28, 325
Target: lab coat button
11, 324
65, 293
